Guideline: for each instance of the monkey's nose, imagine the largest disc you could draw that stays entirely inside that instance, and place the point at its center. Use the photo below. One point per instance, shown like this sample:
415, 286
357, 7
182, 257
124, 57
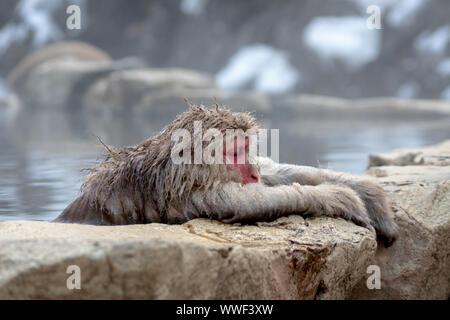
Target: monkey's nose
250, 179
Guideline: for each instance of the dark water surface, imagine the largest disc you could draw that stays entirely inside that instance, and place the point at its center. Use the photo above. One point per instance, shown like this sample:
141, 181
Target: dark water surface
42, 155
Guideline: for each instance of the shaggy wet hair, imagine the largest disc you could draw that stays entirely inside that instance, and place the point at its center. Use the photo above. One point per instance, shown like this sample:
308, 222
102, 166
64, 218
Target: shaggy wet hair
148, 168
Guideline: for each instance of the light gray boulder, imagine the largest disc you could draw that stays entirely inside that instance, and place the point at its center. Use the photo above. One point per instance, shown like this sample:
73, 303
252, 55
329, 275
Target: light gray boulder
161, 94
438, 155
290, 258
417, 266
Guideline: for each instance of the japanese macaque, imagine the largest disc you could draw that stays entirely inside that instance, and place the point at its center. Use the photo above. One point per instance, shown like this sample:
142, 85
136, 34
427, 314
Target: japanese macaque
143, 184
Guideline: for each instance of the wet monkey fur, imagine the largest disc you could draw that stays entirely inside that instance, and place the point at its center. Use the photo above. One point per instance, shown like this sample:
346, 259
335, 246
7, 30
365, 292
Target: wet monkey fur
141, 184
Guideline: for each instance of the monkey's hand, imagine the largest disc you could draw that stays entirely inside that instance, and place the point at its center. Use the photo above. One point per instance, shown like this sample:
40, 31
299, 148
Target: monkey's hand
367, 190
335, 201
377, 206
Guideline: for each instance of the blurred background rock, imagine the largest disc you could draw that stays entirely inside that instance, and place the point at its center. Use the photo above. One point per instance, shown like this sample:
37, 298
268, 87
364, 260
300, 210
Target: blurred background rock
322, 48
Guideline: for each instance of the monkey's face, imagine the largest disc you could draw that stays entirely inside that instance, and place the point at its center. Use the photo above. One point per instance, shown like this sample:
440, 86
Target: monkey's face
236, 156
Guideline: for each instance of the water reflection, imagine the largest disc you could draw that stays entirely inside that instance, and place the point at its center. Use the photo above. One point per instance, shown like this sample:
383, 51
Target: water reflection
43, 153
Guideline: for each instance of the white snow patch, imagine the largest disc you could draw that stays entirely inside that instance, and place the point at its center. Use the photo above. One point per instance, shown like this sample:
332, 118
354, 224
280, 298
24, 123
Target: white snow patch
260, 67
363, 4
433, 42
443, 67
407, 90
3, 88
11, 33
193, 7
445, 95
399, 12
345, 38
403, 11
36, 17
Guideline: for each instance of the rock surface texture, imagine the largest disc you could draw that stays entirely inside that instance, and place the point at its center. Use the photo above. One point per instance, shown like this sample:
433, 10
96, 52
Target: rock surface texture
417, 266
289, 258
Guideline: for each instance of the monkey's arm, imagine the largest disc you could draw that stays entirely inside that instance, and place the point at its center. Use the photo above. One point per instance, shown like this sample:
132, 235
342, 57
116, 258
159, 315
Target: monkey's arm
233, 202
367, 189
272, 174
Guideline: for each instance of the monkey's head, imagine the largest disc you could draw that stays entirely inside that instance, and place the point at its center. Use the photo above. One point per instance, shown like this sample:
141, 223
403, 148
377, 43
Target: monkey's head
209, 129
149, 168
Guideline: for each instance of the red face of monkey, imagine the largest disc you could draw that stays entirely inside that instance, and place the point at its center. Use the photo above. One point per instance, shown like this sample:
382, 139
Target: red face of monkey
237, 159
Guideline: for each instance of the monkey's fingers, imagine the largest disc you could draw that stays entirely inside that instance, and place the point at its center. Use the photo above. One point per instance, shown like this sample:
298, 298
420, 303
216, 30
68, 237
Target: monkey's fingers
378, 208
